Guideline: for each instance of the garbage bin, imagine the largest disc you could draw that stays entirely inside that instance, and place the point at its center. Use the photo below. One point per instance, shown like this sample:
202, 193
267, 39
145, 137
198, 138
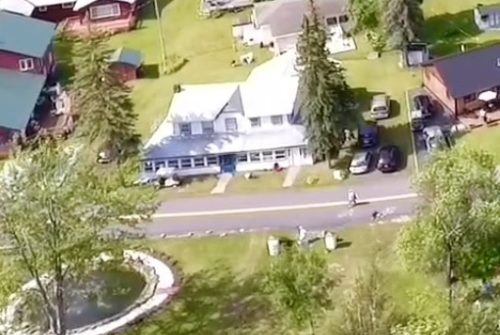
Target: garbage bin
330, 241
273, 246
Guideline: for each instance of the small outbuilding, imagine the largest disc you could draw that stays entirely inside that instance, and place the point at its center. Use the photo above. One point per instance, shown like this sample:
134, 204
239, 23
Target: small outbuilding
127, 64
487, 17
415, 54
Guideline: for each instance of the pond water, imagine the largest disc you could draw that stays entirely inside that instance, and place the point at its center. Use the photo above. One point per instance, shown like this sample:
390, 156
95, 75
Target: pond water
105, 294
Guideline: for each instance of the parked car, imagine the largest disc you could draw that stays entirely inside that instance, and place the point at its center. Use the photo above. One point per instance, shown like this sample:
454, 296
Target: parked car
417, 121
389, 159
361, 162
368, 135
380, 107
435, 139
424, 104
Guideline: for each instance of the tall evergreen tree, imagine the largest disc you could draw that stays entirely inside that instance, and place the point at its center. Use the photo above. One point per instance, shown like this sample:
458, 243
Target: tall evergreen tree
327, 101
106, 116
402, 21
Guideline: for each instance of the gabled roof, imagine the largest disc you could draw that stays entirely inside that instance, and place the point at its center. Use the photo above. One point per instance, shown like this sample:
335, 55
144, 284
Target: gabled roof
26, 7
127, 56
488, 9
470, 72
25, 35
19, 92
285, 16
197, 103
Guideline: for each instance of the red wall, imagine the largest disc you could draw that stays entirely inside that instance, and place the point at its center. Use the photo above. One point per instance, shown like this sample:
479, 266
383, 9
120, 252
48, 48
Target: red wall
56, 13
9, 60
124, 72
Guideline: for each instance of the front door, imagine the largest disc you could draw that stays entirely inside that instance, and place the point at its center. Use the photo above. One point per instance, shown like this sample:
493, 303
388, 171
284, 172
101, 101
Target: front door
228, 163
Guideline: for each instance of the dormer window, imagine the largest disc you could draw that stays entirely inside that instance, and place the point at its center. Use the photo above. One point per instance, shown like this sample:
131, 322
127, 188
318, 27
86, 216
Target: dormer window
207, 127
185, 129
277, 120
42, 9
231, 124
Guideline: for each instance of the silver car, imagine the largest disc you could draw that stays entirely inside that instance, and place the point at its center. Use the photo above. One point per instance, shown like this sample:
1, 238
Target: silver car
435, 139
361, 162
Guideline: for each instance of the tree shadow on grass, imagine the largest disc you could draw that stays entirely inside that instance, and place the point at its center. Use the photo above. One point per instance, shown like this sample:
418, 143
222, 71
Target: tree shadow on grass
214, 302
446, 32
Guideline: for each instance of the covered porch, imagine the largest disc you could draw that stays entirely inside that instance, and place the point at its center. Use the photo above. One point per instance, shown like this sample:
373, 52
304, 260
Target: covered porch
82, 26
483, 110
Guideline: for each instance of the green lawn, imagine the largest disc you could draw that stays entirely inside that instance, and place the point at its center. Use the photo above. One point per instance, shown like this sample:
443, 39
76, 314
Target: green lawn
485, 138
264, 181
199, 186
207, 44
220, 293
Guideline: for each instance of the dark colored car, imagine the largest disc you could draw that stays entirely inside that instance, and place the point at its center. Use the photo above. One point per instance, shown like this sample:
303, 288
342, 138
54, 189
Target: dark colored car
424, 104
389, 159
368, 136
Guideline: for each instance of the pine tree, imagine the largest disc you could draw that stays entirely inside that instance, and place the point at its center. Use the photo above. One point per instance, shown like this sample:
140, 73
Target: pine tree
327, 100
106, 117
403, 21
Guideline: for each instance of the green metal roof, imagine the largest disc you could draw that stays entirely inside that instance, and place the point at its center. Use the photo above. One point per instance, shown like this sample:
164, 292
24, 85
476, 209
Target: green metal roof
19, 92
127, 56
25, 35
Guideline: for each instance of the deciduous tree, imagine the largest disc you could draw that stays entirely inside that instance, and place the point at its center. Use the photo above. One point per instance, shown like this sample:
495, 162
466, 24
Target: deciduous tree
299, 285
327, 100
54, 209
457, 231
106, 116
366, 14
402, 21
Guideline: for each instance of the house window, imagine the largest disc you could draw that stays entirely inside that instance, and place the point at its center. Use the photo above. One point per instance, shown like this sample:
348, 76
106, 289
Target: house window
212, 160
173, 163
243, 157
67, 5
199, 161
277, 120
104, 11
148, 166
207, 128
231, 124
159, 165
26, 64
185, 129
255, 157
280, 154
304, 152
255, 122
267, 156
331, 21
343, 18
186, 163
484, 17
42, 9
470, 97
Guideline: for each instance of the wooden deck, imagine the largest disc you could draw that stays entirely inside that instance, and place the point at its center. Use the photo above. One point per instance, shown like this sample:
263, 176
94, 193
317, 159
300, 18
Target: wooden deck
76, 26
473, 120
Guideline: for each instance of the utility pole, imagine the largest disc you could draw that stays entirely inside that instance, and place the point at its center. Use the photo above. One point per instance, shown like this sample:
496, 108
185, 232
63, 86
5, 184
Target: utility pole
163, 61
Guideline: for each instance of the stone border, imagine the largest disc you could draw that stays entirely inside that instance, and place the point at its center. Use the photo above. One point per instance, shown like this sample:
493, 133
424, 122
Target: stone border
158, 291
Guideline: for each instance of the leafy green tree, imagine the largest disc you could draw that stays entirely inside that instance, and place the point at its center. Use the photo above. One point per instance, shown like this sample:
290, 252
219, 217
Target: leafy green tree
366, 14
327, 100
402, 21
367, 309
299, 285
102, 102
55, 209
457, 231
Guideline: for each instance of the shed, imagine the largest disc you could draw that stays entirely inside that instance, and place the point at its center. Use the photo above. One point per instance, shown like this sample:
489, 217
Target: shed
415, 54
127, 64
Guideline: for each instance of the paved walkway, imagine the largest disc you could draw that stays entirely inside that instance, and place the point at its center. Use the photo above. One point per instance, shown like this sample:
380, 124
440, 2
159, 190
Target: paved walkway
291, 175
224, 179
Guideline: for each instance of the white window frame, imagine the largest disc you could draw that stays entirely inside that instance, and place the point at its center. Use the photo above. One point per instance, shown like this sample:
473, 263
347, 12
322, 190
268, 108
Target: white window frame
253, 155
212, 161
26, 64
197, 159
275, 118
231, 119
190, 163
280, 154
114, 11
148, 166
185, 133
267, 156
67, 5
173, 163
243, 158
42, 9
255, 122
207, 127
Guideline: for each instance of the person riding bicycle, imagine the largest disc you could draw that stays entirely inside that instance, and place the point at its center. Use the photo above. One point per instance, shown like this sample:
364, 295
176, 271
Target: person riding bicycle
352, 198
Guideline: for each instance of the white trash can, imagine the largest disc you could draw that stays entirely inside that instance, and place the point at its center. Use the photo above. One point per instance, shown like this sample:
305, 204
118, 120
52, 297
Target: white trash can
330, 241
273, 246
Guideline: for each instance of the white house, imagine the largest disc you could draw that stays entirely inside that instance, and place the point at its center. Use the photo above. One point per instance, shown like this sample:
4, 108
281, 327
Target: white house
233, 127
487, 17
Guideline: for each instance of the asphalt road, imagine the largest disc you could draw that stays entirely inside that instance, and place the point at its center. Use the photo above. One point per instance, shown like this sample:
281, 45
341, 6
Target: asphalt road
390, 195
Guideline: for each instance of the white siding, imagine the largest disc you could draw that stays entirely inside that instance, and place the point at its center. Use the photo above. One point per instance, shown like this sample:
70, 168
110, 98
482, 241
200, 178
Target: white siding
198, 171
196, 128
220, 123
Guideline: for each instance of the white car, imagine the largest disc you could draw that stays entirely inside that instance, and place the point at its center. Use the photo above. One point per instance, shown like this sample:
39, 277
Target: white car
361, 162
435, 139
